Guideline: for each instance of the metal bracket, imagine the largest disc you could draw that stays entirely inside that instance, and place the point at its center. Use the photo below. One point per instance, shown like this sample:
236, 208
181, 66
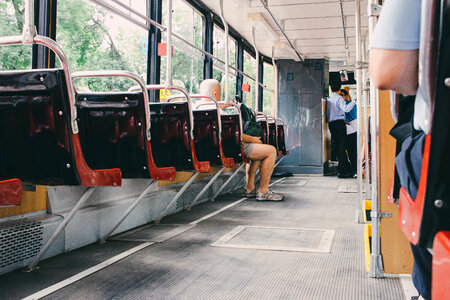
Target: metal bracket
375, 10
375, 214
361, 65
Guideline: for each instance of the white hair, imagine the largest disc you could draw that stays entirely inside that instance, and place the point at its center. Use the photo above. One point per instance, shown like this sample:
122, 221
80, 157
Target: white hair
208, 86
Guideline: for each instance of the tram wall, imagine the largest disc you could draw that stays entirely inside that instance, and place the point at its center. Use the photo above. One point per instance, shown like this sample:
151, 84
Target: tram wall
97, 217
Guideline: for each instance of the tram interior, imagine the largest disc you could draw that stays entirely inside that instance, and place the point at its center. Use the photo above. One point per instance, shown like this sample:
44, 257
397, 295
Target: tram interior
115, 185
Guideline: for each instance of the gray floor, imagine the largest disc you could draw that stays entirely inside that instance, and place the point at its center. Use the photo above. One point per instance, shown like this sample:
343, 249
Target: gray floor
188, 267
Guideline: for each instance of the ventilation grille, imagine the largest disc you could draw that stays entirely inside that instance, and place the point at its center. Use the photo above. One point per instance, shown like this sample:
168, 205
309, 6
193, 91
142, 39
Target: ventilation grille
19, 242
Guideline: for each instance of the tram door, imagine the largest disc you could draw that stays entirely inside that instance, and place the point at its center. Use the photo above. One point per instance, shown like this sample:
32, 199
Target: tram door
301, 87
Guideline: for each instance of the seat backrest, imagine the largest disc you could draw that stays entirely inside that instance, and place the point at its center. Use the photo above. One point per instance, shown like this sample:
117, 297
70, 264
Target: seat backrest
36, 140
112, 132
170, 130
206, 136
273, 134
231, 137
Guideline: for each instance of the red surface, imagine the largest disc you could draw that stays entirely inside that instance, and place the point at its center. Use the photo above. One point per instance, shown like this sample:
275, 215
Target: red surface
441, 266
226, 161
162, 49
167, 173
10, 192
246, 87
89, 177
200, 166
410, 213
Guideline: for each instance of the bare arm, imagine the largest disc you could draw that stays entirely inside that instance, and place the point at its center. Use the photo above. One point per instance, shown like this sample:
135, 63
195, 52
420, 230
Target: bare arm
251, 139
395, 70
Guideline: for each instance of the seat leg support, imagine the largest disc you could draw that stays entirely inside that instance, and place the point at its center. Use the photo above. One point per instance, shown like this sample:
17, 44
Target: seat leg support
213, 179
228, 181
128, 211
177, 196
87, 193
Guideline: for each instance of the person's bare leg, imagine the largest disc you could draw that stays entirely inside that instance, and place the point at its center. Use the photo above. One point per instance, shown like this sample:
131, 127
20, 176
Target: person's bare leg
250, 174
267, 155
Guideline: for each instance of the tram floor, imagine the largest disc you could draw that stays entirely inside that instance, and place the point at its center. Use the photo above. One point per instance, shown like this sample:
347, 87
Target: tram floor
305, 247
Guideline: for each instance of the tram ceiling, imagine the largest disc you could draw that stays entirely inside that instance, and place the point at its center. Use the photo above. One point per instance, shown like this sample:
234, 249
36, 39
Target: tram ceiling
314, 27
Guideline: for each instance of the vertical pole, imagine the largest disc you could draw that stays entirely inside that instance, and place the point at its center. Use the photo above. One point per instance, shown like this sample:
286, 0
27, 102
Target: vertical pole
359, 197
275, 84
376, 264
227, 52
257, 67
366, 135
169, 45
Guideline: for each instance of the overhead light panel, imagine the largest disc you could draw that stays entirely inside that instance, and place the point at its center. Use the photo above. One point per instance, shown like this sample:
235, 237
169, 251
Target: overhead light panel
259, 18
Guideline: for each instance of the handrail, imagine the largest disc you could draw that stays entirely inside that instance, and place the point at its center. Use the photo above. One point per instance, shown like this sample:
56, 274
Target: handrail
153, 87
43, 40
214, 101
162, 28
121, 73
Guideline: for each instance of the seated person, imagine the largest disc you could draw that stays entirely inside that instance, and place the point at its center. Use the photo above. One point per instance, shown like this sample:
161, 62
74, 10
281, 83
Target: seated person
257, 152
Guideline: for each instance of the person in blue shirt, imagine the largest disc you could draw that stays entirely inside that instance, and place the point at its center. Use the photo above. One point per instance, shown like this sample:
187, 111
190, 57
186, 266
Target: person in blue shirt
336, 109
351, 137
393, 65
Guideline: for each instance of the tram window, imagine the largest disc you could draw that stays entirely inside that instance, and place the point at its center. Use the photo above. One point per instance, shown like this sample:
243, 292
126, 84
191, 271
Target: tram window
268, 90
249, 69
187, 62
96, 39
11, 23
219, 68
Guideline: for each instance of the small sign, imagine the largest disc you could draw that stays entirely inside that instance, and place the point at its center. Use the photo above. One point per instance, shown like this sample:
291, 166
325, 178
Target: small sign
162, 49
318, 66
246, 87
164, 95
290, 76
144, 44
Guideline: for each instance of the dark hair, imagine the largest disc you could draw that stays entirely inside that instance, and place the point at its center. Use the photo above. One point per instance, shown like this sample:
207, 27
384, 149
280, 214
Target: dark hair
344, 92
335, 86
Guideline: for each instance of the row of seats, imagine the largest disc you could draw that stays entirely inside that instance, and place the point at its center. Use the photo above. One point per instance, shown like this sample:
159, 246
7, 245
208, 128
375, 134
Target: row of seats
38, 143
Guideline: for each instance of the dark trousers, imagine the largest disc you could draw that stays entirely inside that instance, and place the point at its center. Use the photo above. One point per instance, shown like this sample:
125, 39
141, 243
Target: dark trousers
350, 144
338, 133
421, 274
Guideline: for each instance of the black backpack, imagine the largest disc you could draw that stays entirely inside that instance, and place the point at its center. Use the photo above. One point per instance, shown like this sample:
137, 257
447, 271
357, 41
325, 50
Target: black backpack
250, 125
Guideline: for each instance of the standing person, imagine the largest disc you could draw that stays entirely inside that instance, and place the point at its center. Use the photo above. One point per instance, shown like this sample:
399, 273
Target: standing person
393, 65
351, 137
337, 107
261, 156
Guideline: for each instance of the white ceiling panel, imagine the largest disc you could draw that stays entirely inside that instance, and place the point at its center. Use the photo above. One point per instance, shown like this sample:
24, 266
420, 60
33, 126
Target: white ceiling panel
314, 26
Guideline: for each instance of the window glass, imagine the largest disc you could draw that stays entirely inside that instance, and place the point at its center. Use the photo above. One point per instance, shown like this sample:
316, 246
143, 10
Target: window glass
187, 62
96, 39
17, 57
249, 69
218, 67
268, 94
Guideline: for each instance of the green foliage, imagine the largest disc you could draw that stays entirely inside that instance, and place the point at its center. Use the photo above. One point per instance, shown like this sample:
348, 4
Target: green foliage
16, 57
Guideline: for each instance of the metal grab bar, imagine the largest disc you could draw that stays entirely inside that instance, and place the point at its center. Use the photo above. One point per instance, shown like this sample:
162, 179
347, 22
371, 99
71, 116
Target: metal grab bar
214, 102
51, 44
121, 73
153, 87
160, 27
